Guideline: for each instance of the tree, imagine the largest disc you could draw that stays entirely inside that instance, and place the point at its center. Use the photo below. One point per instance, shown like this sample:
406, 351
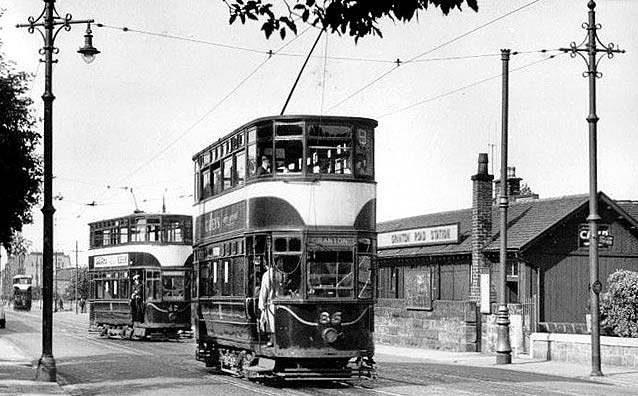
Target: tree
358, 17
83, 285
619, 305
20, 166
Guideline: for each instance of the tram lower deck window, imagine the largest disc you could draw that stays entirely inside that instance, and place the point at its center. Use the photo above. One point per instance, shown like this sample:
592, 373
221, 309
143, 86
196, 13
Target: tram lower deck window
330, 274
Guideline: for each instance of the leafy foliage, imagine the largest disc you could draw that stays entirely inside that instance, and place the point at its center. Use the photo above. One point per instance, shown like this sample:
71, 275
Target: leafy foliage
619, 305
357, 17
20, 167
83, 285
19, 245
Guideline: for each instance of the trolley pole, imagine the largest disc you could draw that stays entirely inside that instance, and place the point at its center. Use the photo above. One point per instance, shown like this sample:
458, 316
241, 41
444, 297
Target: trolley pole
503, 346
49, 24
589, 46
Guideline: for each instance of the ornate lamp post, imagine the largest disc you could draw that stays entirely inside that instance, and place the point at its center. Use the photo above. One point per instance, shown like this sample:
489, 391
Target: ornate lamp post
589, 46
503, 345
51, 22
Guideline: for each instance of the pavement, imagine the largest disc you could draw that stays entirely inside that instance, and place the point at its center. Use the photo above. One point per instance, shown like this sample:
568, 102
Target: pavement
18, 372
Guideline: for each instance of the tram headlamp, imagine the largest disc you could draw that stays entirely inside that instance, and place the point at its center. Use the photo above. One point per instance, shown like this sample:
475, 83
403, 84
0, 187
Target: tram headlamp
330, 335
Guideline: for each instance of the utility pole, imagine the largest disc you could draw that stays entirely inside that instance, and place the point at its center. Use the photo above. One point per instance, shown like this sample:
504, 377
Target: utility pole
589, 46
76, 277
503, 346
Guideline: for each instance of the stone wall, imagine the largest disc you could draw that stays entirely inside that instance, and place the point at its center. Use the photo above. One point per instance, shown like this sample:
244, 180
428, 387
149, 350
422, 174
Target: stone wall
576, 348
520, 329
450, 325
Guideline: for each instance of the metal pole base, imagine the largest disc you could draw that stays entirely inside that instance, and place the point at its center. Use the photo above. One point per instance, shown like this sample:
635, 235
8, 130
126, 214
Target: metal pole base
47, 371
596, 373
503, 358
503, 346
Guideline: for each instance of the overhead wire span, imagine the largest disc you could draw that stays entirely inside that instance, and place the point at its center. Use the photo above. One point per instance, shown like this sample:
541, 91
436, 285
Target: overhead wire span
189, 39
280, 53
448, 93
448, 42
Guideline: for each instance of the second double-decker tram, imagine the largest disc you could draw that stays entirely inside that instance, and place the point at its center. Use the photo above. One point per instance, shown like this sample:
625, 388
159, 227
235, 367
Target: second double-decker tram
22, 292
284, 248
141, 267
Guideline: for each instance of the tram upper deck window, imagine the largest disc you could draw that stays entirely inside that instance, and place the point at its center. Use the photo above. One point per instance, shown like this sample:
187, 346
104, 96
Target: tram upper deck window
330, 273
153, 230
288, 148
329, 149
228, 173
177, 230
260, 139
217, 178
364, 153
206, 186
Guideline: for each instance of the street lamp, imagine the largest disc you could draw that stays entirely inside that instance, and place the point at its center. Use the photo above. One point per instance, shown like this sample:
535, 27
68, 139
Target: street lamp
51, 22
503, 344
589, 45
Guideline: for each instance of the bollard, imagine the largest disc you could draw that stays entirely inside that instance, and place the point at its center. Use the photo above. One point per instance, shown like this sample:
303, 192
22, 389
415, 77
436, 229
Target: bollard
3, 320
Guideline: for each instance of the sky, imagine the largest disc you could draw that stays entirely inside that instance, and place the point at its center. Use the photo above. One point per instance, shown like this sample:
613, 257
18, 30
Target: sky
181, 77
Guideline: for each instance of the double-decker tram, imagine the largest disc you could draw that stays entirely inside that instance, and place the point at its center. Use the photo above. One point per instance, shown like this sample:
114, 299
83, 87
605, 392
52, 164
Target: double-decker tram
284, 249
22, 292
140, 267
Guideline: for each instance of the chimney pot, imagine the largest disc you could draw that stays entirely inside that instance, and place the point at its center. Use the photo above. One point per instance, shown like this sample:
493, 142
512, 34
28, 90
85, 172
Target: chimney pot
482, 164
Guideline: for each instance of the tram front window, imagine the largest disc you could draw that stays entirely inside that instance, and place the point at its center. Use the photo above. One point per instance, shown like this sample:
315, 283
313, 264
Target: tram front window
330, 274
172, 286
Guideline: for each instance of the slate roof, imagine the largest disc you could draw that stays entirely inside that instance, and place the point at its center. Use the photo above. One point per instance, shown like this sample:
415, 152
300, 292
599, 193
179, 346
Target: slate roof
527, 221
630, 207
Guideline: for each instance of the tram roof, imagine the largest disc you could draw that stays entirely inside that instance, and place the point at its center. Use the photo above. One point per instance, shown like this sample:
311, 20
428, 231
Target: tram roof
140, 214
295, 117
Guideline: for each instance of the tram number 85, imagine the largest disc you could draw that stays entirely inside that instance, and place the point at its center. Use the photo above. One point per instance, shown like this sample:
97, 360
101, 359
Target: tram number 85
326, 319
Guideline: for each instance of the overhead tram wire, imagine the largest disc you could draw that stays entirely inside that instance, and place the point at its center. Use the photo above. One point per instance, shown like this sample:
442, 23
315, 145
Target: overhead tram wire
279, 53
180, 136
414, 58
468, 86
189, 39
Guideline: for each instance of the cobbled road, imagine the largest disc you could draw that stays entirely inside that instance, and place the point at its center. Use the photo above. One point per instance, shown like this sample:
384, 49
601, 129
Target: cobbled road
90, 365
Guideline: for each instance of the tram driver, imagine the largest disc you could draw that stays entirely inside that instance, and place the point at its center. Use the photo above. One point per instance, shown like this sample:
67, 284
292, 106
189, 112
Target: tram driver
137, 298
265, 304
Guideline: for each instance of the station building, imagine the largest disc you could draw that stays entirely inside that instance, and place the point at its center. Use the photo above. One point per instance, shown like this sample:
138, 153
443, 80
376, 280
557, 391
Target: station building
437, 272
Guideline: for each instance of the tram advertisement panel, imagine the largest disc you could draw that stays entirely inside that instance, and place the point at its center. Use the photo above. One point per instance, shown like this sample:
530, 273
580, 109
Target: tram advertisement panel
222, 220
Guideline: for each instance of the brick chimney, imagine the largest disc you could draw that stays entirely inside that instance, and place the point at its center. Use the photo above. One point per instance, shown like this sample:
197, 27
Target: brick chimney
481, 223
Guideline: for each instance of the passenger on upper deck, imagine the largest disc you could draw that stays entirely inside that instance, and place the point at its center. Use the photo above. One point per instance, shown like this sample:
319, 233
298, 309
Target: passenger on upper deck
264, 169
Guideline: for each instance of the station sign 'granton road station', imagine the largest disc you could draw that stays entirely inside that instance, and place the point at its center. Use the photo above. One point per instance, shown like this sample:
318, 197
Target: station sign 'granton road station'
437, 235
